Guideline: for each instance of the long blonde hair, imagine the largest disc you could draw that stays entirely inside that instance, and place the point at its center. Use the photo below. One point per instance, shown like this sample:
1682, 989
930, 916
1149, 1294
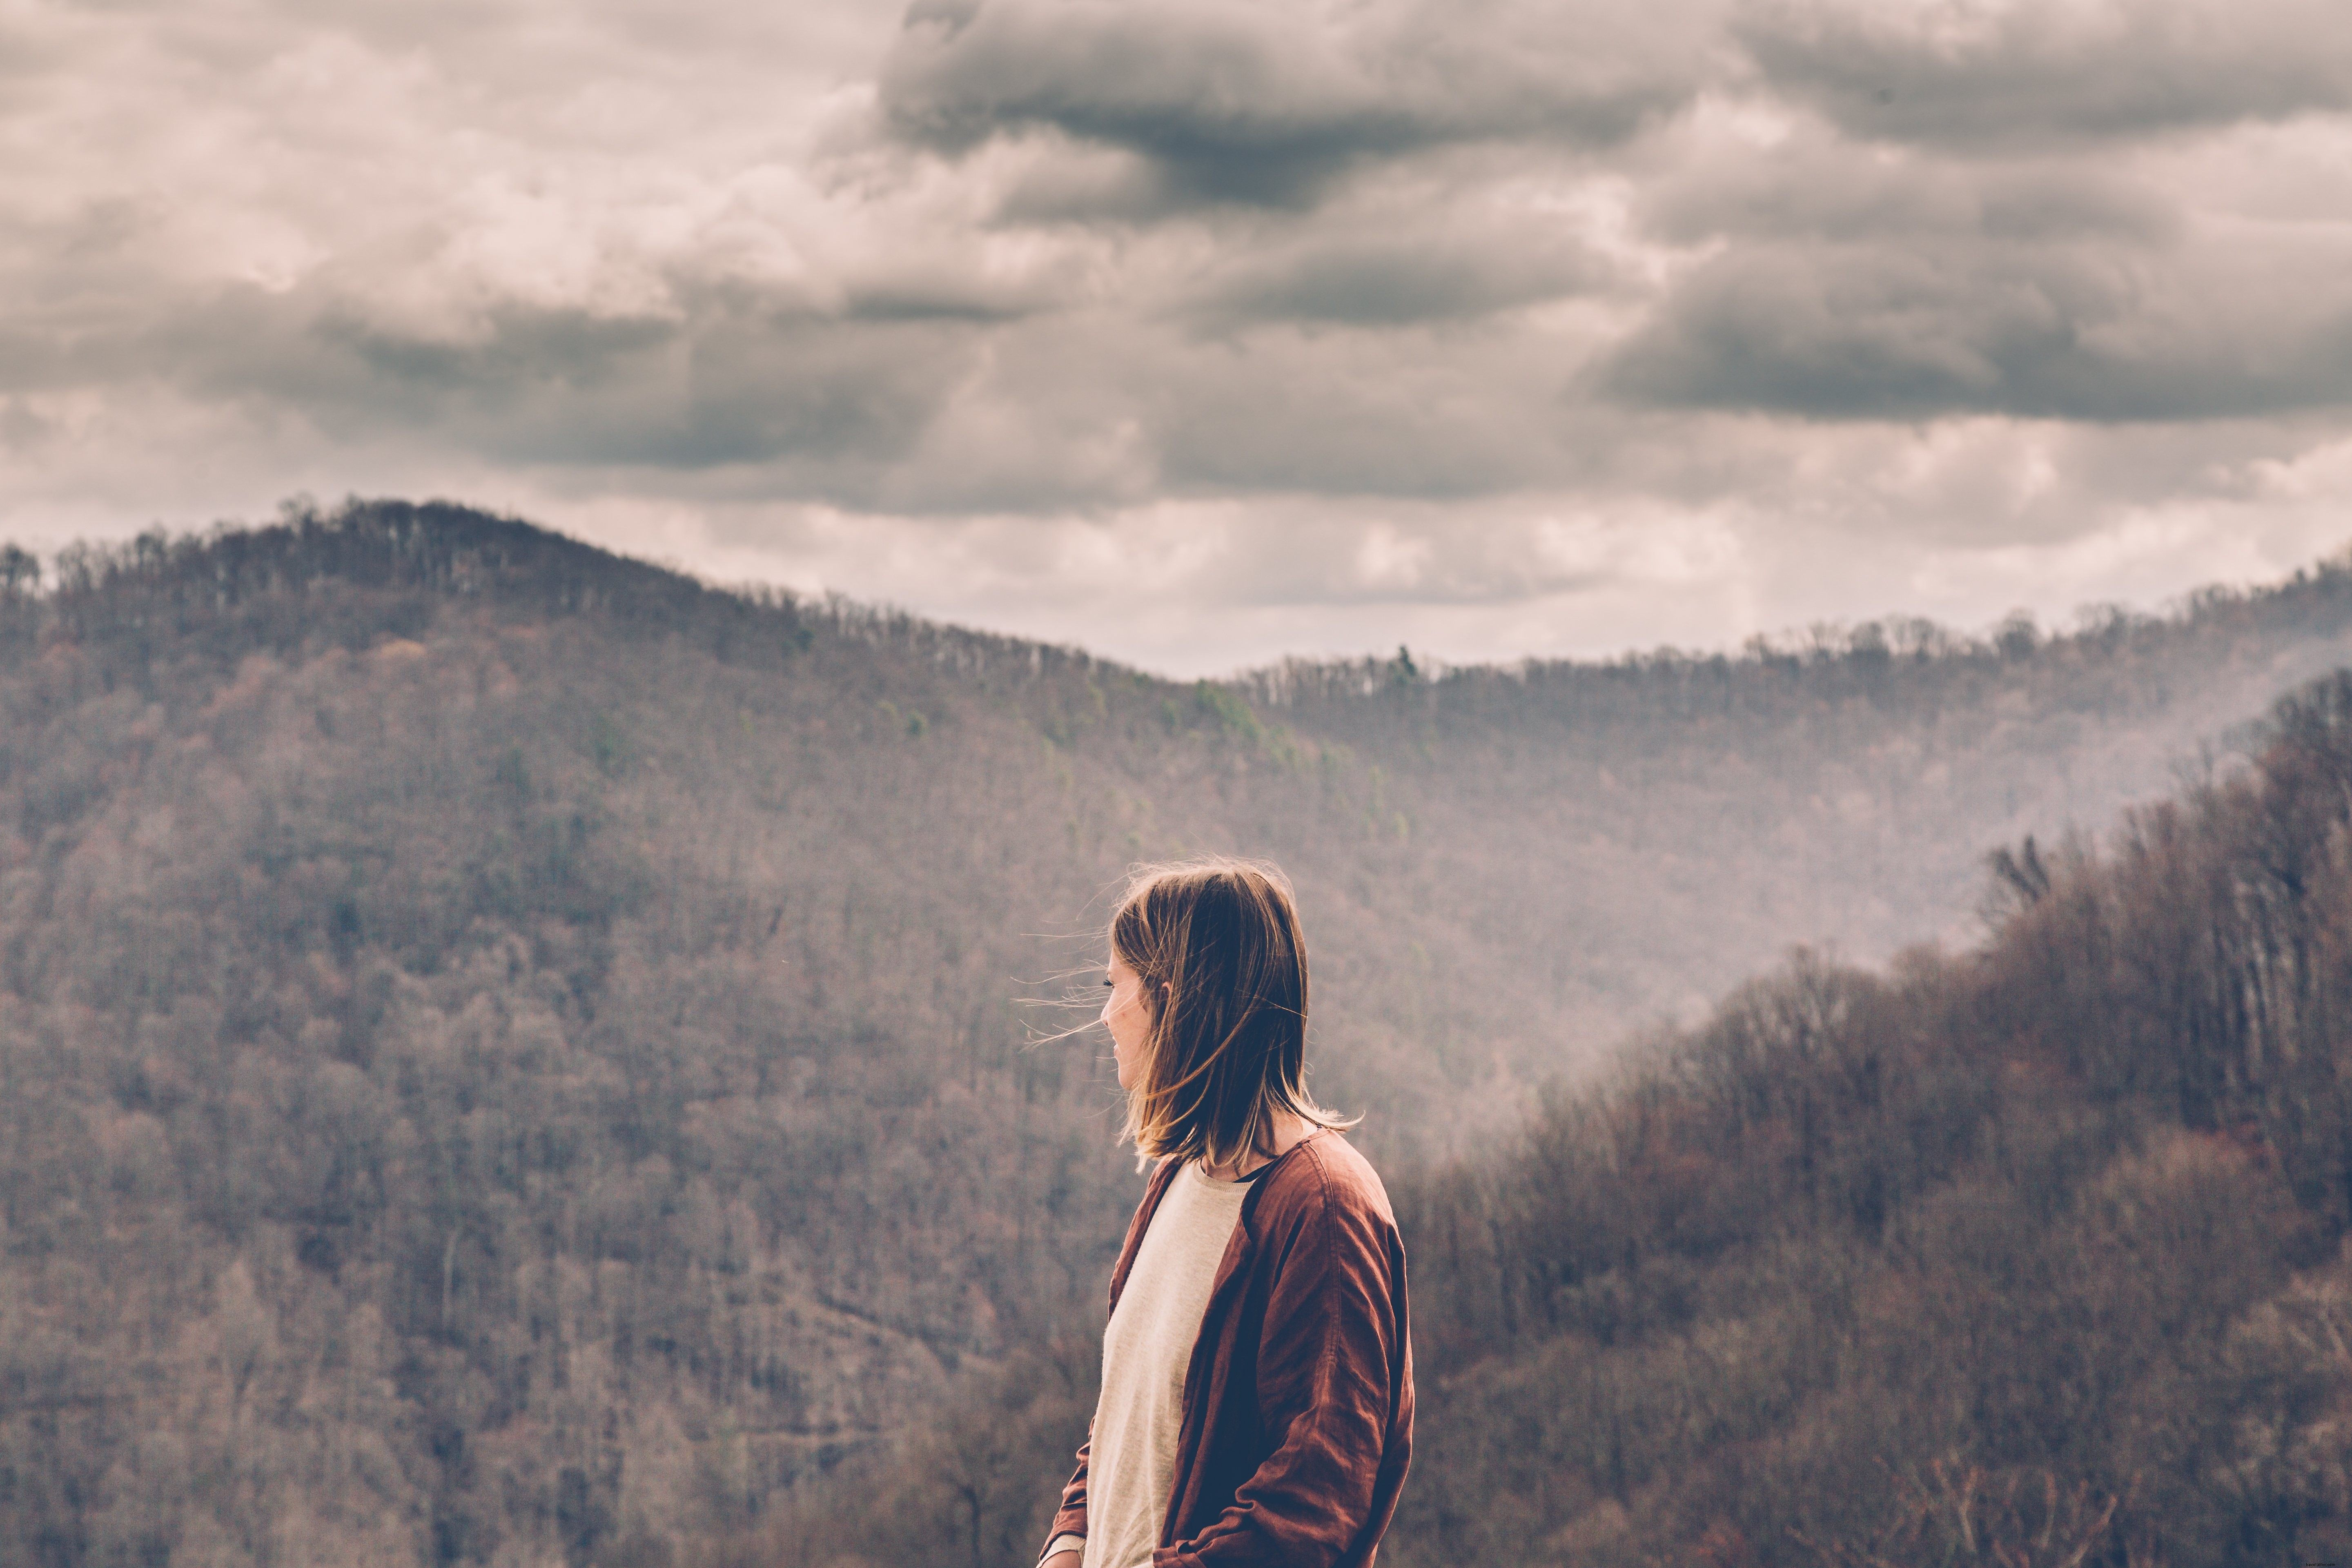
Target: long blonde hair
1223, 965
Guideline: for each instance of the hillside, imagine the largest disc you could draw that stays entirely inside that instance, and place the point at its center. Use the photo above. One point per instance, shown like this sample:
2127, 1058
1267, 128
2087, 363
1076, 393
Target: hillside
512, 1055
2029, 1257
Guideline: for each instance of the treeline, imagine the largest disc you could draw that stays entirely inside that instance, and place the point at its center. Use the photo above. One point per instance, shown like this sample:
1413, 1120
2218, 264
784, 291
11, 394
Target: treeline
1896, 664
509, 1055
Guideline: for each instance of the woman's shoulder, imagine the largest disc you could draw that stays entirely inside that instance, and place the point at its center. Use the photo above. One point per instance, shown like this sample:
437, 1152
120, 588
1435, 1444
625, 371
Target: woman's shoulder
1323, 1177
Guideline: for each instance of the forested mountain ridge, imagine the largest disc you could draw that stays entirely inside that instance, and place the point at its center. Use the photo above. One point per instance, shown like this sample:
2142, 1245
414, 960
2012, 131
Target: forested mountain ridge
1838, 789
511, 1055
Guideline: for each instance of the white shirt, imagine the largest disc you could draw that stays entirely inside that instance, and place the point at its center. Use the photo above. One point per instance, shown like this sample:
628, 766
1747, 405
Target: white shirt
1131, 1468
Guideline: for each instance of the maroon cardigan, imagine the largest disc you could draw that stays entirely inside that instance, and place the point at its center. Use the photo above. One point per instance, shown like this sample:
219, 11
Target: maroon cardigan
1297, 1421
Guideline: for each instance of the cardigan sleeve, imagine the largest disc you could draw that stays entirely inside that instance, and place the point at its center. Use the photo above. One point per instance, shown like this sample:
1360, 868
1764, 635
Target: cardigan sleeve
1070, 1519
1332, 1368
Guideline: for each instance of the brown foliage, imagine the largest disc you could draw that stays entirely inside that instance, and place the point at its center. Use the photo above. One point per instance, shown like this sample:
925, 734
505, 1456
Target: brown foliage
1957, 1514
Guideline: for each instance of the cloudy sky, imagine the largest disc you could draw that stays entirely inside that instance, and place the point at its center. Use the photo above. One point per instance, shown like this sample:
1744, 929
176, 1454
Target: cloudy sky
1201, 331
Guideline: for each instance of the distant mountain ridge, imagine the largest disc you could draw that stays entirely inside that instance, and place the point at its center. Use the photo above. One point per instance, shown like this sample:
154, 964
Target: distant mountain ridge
1888, 727
524, 1052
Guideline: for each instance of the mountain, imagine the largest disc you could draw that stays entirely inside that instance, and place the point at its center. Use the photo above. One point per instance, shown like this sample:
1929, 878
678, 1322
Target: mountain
510, 1054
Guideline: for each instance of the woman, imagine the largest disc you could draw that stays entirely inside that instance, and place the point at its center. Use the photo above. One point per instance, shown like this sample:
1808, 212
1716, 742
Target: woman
1257, 1384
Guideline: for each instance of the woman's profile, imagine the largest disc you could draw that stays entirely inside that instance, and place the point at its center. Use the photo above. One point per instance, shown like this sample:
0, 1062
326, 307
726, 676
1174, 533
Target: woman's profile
1256, 1400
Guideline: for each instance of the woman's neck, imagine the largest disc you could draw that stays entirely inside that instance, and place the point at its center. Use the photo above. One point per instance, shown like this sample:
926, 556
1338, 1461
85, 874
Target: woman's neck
1290, 1130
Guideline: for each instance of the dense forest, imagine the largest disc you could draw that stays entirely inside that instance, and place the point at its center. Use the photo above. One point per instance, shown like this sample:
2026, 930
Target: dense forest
510, 1055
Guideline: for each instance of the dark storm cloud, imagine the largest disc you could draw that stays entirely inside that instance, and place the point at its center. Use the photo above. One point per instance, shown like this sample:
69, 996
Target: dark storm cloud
1843, 284
1433, 272
1264, 106
1868, 333
732, 379
2027, 77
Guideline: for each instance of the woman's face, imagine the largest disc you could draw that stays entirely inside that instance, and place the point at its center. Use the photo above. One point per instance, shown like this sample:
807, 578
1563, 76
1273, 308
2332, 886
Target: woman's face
1126, 1013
